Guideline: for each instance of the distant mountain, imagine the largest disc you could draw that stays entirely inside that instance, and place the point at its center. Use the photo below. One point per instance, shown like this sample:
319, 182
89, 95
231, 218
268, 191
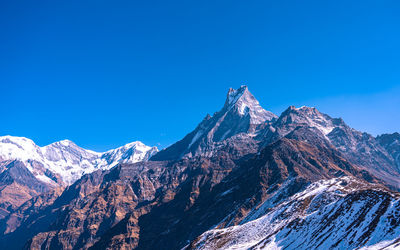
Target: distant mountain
129, 153
244, 178
27, 169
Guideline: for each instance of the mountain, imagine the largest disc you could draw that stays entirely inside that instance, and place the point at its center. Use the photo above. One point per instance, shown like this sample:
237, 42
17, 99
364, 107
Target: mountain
240, 116
131, 205
129, 153
27, 170
244, 178
65, 159
358, 147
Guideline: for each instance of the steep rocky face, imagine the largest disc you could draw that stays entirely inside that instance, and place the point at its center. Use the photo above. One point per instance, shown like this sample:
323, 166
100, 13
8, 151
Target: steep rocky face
17, 185
32, 205
340, 213
241, 114
391, 142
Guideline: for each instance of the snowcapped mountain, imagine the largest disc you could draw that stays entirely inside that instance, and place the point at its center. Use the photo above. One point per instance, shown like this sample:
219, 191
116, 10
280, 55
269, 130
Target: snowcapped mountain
240, 116
244, 178
243, 123
27, 170
294, 117
129, 153
64, 161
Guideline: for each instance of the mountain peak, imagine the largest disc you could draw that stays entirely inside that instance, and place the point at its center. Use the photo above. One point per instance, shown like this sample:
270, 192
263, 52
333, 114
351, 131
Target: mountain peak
241, 113
235, 94
65, 143
244, 103
309, 116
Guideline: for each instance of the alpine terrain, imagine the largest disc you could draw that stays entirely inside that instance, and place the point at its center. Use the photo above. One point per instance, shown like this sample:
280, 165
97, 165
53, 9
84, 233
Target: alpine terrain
27, 170
244, 178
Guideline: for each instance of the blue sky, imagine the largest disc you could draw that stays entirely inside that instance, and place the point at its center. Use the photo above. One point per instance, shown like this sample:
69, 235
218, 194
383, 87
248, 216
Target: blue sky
104, 73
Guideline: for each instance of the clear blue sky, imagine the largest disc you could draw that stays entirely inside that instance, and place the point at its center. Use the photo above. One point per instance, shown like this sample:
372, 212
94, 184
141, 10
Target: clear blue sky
104, 73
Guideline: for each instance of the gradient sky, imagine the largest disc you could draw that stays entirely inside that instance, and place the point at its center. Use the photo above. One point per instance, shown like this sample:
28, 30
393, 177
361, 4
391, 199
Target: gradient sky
105, 73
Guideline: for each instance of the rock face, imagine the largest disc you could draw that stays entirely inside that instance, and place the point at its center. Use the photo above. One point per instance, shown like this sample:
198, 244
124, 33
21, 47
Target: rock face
244, 178
17, 185
391, 142
27, 170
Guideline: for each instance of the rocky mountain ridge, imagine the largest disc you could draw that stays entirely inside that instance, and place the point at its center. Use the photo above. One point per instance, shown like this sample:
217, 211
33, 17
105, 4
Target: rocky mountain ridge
244, 178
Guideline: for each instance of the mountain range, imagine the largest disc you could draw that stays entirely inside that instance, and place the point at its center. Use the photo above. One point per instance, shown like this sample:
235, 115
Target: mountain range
244, 178
28, 170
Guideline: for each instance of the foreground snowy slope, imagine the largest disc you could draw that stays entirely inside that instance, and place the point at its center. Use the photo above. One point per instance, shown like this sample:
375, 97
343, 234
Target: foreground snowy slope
340, 213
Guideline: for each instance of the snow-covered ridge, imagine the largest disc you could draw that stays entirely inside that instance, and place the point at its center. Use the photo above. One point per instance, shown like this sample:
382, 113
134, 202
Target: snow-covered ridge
341, 213
67, 160
129, 153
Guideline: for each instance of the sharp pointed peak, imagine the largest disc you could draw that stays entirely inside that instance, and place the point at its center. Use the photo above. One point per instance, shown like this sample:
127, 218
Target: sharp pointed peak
235, 94
243, 102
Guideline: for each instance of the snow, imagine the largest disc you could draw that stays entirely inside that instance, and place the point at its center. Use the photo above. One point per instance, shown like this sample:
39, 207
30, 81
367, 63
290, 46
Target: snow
196, 137
245, 104
66, 159
315, 119
234, 95
129, 153
225, 134
331, 221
